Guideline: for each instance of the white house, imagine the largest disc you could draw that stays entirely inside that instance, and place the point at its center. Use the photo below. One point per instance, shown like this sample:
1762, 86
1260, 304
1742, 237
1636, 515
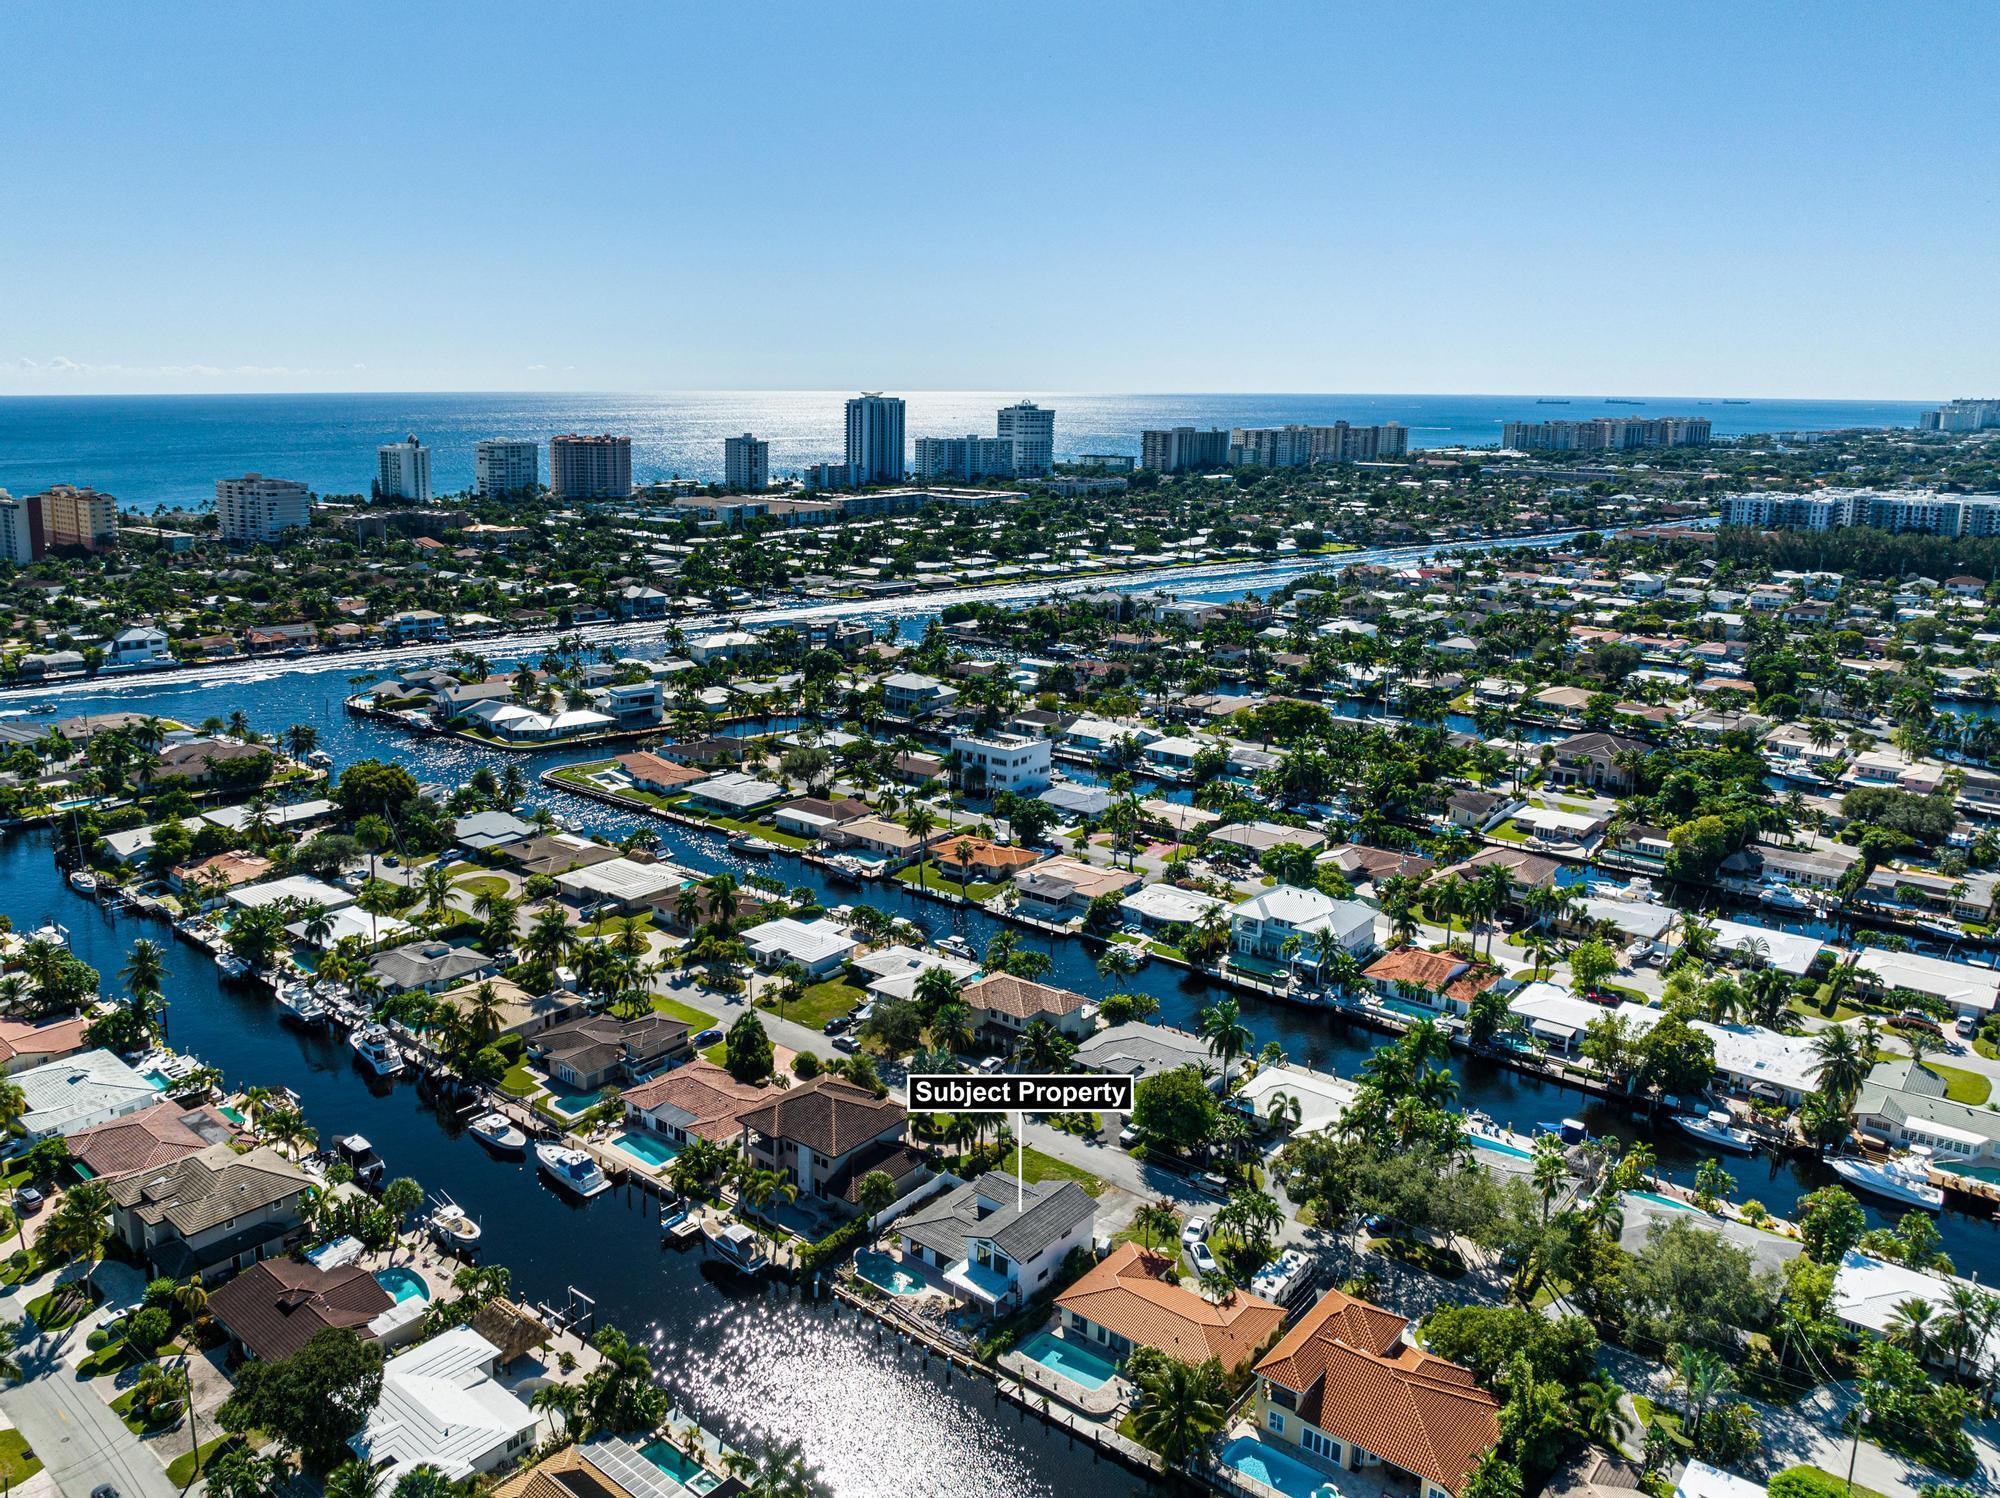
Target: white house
1158, 906
61, 1097
997, 1242
141, 645
1263, 924
989, 763
1969, 990
910, 695
1763, 1063
820, 947
443, 1404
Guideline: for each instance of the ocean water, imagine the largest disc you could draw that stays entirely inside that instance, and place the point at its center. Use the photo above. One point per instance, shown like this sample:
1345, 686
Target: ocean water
169, 450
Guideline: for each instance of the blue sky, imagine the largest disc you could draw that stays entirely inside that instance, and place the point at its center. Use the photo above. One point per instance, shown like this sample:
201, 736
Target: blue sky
1727, 199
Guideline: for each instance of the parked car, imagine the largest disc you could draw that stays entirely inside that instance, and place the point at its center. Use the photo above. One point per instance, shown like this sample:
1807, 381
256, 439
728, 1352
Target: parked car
992, 1064
1202, 1258
846, 1044
1129, 1136
706, 1038
836, 1025
28, 1201
1194, 1230
1966, 1025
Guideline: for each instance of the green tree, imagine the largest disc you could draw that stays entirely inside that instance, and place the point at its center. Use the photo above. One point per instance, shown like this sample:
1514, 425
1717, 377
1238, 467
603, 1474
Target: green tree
312, 1401
1175, 1108
1830, 1222
1179, 1406
747, 1050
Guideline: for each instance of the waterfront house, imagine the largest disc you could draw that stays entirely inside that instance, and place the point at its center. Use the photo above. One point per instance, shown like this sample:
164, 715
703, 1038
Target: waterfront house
1348, 1391
1437, 980
204, 884
892, 971
1558, 1019
1141, 1049
1263, 927
657, 775
1061, 889
630, 704
826, 1134
27, 1042
1762, 1063
150, 1139
876, 836
697, 1101
414, 626
195, 762
820, 947
1896, 1112
272, 1309
1002, 1006
1131, 1299
209, 1213
429, 966
520, 1012
483, 831
910, 695
989, 763
979, 860
602, 1050
1593, 760
1158, 906
732, 795
141, 645
812, 817
60, 1097
997, 1241
442, 1405
1275, 1091
1969, 990
555, 853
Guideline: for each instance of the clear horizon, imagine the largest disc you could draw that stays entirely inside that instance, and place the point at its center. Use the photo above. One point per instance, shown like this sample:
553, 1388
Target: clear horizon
1365, 198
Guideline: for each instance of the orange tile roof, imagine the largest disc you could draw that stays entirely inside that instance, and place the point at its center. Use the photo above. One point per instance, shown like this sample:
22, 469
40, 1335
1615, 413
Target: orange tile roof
701, 1088
1431, 970
47, 1040
1359, 1381
1003, 993
1124, 1293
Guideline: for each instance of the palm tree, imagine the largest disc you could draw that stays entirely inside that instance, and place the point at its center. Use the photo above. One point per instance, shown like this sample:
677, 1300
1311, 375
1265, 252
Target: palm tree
1600, 1410
1180, 1405
1221, 1025
951, 1027
434, 887
353, 1479
1913, 1326
1044, 1048
1840, 1066
1703, 1375
920, 821
780, 1470
1155, 1222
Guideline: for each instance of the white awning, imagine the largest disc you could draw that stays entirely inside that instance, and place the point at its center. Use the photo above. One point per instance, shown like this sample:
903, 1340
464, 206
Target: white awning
978, 1281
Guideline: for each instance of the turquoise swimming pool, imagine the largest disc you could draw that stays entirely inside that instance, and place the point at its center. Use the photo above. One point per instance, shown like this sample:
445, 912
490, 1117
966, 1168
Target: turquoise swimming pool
402, 1284
1275, 1468
884, 1273
571, 1104
1665, 1201
1073, 1361
648, 1149
1500, 1147
681, 1467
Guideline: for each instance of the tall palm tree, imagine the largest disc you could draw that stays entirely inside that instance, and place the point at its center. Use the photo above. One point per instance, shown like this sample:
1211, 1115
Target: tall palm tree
1840, 1066
920, 822
1913, 1326
780, 1470
1156, 1222
1180, 1405
1221, 1025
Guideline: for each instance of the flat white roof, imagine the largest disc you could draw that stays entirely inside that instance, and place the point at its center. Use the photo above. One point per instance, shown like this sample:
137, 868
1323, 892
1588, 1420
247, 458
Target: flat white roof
1788, 951
1957, 983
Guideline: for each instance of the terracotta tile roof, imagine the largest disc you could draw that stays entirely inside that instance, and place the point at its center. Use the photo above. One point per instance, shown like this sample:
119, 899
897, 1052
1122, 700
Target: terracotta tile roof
43, 1040
829, 1115
1003, 993
1359, 1381
274, 1308
1431, 970
147, 1140
657, 771
1125, 1294
715, 1100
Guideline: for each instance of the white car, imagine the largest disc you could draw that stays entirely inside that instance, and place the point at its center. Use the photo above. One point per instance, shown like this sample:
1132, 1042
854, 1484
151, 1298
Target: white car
1203, 1260
1195, 1231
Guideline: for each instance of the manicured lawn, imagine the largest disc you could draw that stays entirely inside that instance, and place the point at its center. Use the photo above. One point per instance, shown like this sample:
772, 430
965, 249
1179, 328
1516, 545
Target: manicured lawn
932, 879
481, 884
716, 1052
1508, 832
61, 1307
107, 1359
517, 1082
1961, 1086
1835, 1480
17, 1462
184, 1468
675, 1009
122, 1405
1036, 1166
822, 1002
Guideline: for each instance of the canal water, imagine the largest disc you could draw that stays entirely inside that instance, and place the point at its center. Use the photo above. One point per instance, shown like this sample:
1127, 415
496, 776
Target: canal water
872, 1417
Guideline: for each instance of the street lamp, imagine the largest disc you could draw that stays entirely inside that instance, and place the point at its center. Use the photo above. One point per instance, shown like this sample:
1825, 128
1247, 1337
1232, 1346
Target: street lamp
1854, 1448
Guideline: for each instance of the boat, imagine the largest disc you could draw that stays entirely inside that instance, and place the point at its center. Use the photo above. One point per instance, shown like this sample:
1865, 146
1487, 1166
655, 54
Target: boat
572, 1169
83, 882
319, 759
298, 1003
451, 1229
1903, 1178
1569, 1131
358, 1155
957, 946
756, 847
1638, 889
738, 1247
1718, 1127
1547, 401
377, 1051
1783, 897
498, 1131
232, 966
1727, 401
678, 1226
51, 933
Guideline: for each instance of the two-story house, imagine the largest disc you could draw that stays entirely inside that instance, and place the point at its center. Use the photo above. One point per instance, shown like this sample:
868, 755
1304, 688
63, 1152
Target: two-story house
210, 1213
1002, 1006
141, 645
1265, 926
600, 1050
907, 694
825, 1135
999, 1241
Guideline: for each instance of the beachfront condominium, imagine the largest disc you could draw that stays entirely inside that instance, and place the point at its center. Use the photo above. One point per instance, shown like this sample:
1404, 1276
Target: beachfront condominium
597, 467
875, 438
254, 508
1295, 446
968, 458
1966, 414
1923, 512
503, 467
746, 463
1030, 432
1177, 449
17, 536
403, 471
64, 515
1606, 434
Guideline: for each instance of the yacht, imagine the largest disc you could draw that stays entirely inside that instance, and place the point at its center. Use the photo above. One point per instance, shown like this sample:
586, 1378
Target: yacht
298, 1003
1783, 897
749, 843
51, 933
498, 1131
1718, 1127
572, 1169
319, 759
377, 1052
358, 1155
83, 882
956, 946
1903, 1178
232, 966
451, 1229
738, 1247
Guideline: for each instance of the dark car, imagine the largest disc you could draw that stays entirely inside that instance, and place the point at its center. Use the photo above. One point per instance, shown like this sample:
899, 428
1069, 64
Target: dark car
707, 1037
104, 1490
836, 1025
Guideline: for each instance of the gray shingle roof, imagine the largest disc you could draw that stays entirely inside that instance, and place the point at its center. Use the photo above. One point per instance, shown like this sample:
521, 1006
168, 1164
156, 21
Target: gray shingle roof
985, 1209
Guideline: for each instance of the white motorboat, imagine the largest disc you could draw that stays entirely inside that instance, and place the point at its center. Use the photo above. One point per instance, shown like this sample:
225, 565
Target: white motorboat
956, 946
1783, 897
572, 1169
753, 845
451, 1228
497, 1131
298, 1003
738, 1247
377, 1051
83, 882
1718, 1127
232, 966
1904, 1178
50, 934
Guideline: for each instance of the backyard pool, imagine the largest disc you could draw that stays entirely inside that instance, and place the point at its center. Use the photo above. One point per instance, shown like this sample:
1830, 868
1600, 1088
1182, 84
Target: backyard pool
648, 1149
1500, 1147
570, 1103
884, 1273
678, 1465
1274, 1468
402, 1284
1073, 1361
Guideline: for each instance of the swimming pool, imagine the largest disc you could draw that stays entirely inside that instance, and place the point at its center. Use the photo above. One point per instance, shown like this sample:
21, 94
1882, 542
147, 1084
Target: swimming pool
681, 1467
1408, 1010
1665, 1201
571, 1104
157, 1079
1073, 1361
1500, 1147
402, 1284
884, 1273
1274, 1468
648, 1149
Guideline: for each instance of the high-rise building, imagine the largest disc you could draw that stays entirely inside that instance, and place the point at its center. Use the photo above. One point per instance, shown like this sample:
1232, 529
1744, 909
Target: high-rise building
746, 463
17, 535
1109, 462
1295, 446
1923, 512
1606, 434
403, 471
254, 508
969, 458
1963, 415
1030, 431
875, 438
64, 515
590, 467
503, 467
1177, 449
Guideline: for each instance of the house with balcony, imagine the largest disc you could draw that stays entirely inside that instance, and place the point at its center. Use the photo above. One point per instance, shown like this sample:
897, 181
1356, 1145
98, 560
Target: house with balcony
1133, 1297
825, 1135
141, 645
1592, 760
989, 763
908, 695
998, 1241
1264, 927
210, 1213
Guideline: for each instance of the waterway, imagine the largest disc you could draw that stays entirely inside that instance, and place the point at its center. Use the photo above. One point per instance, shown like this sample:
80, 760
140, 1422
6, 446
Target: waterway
871, 1417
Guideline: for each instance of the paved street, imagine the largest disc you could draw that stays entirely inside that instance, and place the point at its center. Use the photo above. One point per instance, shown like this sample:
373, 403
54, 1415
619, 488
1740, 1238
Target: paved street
80, 1441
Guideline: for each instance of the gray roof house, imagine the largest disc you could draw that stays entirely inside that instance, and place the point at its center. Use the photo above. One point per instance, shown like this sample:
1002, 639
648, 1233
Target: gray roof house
1142, 1050
432, 966
998, 1243
209, 1213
